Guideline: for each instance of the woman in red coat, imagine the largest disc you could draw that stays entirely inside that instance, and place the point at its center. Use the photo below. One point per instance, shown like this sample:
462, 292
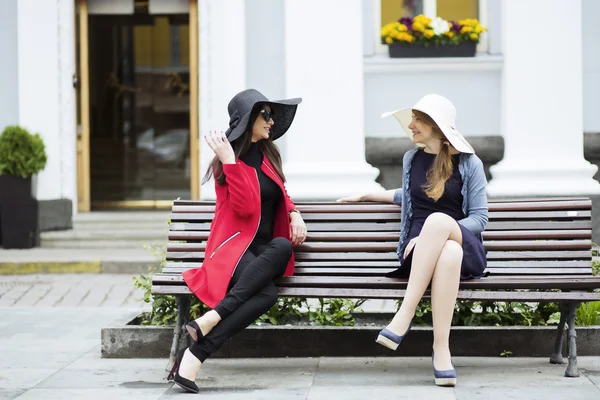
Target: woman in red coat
252, 233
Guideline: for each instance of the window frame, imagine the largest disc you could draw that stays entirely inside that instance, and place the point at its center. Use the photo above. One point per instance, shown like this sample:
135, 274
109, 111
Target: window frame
430, 10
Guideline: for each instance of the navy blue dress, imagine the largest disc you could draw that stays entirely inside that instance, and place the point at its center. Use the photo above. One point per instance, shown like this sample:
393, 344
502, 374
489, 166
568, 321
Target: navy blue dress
474, 253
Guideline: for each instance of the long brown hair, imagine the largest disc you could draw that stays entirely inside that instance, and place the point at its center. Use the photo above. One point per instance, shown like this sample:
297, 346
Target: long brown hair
441, 170
240, 147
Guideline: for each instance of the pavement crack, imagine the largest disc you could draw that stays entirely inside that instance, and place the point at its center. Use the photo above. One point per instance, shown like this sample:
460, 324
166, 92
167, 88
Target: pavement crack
106, 295
42, 296
312, 382
84, 296
23, 294
63, 296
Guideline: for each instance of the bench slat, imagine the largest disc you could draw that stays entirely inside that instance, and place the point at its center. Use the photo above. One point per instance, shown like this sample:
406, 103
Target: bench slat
395, 216
397, 294
391, 256
394, 236
325, 207
351, 247
490, 201
394, 264
395, 226
491, 282
350, 271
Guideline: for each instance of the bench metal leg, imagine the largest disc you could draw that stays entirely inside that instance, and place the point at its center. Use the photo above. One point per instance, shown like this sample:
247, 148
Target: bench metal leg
572, 370
556, 357
183, 310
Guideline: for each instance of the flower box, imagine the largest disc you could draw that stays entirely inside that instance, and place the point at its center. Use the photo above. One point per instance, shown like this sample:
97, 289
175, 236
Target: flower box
423, 37
409, 50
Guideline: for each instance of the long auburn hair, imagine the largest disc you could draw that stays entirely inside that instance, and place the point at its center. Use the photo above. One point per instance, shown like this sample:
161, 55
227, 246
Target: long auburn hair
441, 170
240, 147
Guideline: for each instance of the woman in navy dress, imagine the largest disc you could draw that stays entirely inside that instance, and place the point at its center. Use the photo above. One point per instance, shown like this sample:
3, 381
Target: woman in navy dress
444, 212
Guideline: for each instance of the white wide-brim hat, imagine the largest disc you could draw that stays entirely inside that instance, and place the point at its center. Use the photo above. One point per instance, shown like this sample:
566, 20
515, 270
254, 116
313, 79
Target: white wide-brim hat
442, 111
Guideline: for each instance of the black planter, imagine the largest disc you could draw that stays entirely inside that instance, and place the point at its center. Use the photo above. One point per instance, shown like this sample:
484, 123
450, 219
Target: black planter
18, 213
410, 50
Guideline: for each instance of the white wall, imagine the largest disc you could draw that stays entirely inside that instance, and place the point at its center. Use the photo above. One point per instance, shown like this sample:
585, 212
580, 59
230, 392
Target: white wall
222, 63
9, 88
473, 85
591, 66
476, 92
265, 41
46, 97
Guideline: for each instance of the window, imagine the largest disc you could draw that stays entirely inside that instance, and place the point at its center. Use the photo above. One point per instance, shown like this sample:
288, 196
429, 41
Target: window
391, 10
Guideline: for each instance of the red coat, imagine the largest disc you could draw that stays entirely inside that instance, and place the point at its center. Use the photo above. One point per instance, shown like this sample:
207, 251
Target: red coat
237, 216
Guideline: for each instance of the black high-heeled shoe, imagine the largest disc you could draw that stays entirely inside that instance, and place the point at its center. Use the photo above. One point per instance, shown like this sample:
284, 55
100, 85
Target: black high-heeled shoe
178, 379
194, 331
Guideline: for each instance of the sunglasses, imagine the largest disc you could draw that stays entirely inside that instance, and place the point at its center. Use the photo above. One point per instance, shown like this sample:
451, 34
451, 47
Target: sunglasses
267, 115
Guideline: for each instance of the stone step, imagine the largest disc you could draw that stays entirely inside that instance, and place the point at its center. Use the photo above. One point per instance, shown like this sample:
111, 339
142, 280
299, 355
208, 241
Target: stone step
161, 226
106, 234
100, 244
118, 217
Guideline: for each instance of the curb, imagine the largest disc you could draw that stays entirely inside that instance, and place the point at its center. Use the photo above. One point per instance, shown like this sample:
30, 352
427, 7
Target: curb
75, 267
131, 341
25, 268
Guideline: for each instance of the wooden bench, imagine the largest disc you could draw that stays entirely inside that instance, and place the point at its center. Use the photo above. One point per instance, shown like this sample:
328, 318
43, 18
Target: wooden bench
539, 250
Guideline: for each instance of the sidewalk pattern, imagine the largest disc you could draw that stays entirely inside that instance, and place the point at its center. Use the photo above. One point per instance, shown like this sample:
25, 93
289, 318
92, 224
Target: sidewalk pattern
69, 290
49, 346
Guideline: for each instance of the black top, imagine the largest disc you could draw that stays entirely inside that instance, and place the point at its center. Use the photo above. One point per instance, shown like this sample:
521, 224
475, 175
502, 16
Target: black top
270, 195
451, 201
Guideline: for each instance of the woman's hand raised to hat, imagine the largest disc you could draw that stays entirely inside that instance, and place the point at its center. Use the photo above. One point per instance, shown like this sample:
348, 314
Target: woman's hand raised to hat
220, 145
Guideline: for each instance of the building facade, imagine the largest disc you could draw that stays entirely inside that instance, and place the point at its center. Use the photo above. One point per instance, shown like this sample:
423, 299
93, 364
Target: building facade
123, 91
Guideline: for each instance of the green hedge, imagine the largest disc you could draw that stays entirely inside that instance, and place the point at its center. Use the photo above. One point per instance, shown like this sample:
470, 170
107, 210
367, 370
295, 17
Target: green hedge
21, 153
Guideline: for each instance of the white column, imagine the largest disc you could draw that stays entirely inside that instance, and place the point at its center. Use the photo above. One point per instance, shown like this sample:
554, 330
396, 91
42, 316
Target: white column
46, 96
222, 70
325, 147
542, 103
66, 101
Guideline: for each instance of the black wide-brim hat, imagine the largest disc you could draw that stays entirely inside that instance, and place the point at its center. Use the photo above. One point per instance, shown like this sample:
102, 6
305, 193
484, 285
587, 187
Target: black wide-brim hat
245, 103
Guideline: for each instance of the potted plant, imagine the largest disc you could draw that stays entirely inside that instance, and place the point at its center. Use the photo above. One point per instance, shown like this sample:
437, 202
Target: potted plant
21, 156
423, 37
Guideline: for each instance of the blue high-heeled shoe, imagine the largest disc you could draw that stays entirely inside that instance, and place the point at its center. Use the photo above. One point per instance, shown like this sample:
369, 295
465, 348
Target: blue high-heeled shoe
444, 378
389, 339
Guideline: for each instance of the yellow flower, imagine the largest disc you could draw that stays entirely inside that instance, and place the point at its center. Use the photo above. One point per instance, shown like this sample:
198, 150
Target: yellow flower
418, 26
404, 37
450, 34
402, 28
389, 40
429, 34
466, 29
422, 19
386, 29
474, 36
407, 37
478, 29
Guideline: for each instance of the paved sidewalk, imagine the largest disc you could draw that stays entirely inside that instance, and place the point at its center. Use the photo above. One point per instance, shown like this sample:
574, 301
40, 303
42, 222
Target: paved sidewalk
50, 349
53, 353
69, 290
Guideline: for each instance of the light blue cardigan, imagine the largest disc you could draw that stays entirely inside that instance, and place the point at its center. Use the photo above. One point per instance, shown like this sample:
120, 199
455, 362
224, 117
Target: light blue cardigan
474, 207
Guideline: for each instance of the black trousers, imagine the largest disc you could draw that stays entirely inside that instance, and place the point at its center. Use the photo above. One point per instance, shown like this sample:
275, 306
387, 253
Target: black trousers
251, 293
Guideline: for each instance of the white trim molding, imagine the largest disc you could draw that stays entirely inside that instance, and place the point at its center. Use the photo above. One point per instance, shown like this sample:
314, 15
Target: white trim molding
383, 64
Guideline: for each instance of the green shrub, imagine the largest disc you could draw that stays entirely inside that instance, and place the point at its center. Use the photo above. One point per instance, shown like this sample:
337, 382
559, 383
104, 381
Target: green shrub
21, 153
588, 314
